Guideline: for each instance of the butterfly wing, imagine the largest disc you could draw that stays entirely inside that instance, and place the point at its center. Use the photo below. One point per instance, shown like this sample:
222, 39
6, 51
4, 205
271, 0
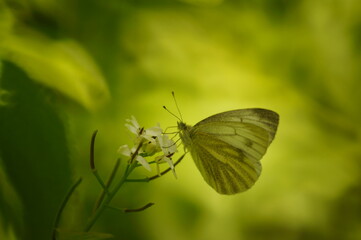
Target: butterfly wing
263, 118
227, 147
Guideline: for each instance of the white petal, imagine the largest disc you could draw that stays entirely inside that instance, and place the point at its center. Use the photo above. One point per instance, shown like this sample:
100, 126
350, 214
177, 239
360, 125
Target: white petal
148, 136
173, 149
132, 128
174, 173
144, 162
154, 131
159, 159
163, 140
134, 122
168, 146
124, 149
170, 163
133, 125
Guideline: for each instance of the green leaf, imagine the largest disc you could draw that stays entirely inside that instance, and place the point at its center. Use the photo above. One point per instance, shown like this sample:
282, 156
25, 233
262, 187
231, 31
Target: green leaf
68, 235
11, 208
34, 153
62, 65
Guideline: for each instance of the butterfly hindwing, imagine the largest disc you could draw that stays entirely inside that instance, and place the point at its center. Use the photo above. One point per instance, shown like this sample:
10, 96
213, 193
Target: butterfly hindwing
224, 167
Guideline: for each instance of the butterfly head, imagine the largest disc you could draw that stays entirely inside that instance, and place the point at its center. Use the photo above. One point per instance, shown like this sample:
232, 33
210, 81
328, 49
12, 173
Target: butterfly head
182, 126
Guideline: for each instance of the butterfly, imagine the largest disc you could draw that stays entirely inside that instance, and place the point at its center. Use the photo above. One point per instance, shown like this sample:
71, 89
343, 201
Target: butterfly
227, 147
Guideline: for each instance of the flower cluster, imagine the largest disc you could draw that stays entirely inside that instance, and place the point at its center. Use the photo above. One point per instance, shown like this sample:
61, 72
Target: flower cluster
151, 142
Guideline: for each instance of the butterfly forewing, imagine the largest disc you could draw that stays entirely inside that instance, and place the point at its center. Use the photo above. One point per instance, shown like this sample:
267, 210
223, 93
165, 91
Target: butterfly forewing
227, 147
266, 119
251, 139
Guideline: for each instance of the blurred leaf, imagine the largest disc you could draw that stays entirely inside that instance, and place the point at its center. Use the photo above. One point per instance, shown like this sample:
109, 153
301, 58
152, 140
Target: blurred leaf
11, 206
68, 235
203, 2
34, 152
4, 96
61, 64
6, 21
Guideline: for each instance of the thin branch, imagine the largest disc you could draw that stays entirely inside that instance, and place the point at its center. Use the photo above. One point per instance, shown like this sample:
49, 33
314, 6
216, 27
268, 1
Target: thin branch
148, 179
137, 180
129, 168
138, 209
92, 162
62, 206
136, 150
167, 170
127, 210
107, 185
92, 142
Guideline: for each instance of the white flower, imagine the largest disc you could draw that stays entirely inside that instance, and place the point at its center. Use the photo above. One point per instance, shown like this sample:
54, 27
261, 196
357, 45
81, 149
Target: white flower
167, 159
134, 126
147, 136
153, 141
168, 147
152, 132
149, 148
126, 151
148, 133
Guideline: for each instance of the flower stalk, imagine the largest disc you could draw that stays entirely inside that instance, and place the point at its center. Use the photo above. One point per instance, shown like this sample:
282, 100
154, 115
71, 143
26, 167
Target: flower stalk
147, 143
151, 146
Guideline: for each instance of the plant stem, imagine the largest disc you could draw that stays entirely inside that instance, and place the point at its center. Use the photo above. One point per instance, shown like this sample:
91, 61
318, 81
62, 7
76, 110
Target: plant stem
107, 185
128, 210
108, 198
130, 167
165, 171
62, 206
101, 182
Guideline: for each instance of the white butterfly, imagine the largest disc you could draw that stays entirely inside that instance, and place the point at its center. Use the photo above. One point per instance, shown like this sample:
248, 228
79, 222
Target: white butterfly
227, 147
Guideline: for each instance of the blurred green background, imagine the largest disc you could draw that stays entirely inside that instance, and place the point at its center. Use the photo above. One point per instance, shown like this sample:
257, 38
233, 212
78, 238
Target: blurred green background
70, 67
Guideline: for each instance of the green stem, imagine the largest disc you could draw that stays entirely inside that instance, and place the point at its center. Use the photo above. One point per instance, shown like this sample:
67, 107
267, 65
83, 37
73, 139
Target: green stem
128, 210
92, 143
109, 198
62, 206
138, 180
167, 170
107, 185
148, 179
95, 172
130, 167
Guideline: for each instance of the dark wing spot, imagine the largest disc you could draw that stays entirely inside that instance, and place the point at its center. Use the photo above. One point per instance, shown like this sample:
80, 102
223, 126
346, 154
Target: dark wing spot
248, 142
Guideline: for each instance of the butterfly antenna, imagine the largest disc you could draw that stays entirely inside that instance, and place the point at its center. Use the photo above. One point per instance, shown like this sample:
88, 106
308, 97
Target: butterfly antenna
176, 104
172, 113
